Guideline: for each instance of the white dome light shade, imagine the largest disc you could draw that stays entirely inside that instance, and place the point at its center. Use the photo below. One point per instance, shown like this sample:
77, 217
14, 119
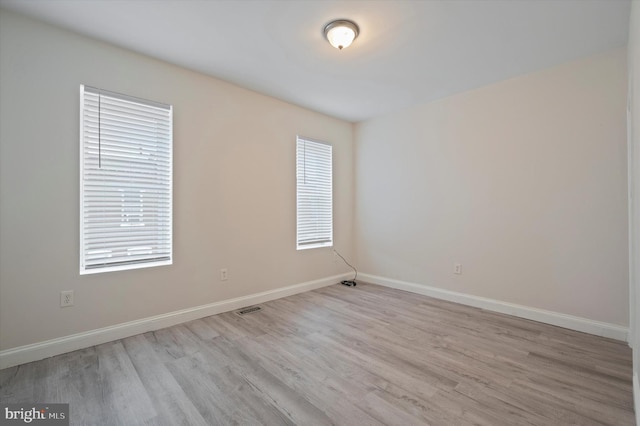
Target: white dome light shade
341, 33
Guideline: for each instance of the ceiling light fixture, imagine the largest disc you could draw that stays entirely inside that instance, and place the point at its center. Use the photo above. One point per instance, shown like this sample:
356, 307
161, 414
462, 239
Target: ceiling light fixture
341, 33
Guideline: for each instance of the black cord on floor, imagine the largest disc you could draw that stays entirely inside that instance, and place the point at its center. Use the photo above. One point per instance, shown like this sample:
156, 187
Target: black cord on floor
350, 283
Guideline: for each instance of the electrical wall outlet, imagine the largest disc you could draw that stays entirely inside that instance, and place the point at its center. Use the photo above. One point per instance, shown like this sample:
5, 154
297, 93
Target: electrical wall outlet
224, 274
457, 269
66, 298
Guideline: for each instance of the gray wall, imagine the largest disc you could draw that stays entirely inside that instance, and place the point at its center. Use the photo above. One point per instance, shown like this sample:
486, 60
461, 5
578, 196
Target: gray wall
523, 182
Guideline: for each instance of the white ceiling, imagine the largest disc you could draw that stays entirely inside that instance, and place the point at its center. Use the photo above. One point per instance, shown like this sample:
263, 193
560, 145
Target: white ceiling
408, 52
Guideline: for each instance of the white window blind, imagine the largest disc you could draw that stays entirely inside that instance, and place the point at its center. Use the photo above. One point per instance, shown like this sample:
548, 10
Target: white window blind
314, 194
125, 182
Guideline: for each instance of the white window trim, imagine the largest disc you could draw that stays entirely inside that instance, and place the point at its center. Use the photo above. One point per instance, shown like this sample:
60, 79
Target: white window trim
323, 243
133, 265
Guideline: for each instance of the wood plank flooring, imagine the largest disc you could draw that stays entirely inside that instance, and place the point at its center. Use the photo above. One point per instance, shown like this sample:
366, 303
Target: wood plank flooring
367, 355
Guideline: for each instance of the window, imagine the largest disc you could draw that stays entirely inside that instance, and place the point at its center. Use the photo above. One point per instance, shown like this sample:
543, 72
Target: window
314, 194
125, 182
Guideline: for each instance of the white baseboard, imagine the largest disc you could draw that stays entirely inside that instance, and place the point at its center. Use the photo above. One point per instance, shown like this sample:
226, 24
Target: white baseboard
584, 325
41, 350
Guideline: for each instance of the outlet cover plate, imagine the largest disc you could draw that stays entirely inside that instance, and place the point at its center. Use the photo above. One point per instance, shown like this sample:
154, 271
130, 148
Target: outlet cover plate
457, 269
66, 298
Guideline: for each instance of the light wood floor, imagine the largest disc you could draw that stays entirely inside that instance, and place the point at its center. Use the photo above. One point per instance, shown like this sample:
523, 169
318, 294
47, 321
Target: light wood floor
353, 356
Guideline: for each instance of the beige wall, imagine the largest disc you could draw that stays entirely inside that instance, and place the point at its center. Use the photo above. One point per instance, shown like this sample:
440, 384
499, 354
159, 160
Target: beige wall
234, 187
522, 182
634, 181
